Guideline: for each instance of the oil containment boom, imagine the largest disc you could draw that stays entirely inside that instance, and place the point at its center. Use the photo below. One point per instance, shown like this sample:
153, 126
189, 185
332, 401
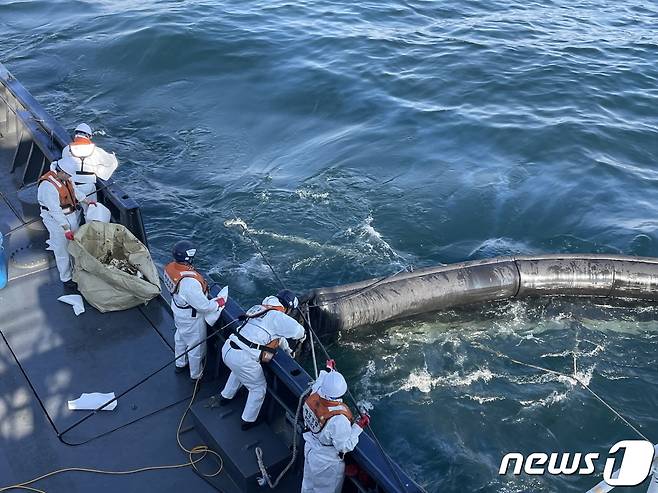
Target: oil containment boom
500, 278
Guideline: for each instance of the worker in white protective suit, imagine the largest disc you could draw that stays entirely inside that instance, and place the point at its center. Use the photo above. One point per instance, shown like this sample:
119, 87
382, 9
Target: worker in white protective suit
266, 328
93, 162
330, 434
59, 200
191, 306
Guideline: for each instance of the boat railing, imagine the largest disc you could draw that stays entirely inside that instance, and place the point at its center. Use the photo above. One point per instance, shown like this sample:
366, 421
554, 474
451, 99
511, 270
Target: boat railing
36, 140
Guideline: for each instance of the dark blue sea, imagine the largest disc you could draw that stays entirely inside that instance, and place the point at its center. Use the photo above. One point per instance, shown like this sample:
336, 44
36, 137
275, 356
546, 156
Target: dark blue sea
354, 139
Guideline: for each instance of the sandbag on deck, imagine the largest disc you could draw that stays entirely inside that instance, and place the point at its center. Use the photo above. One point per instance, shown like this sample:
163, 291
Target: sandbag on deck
104, 287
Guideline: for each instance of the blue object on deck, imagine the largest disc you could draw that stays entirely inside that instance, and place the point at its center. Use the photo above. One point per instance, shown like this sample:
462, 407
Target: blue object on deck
3, 264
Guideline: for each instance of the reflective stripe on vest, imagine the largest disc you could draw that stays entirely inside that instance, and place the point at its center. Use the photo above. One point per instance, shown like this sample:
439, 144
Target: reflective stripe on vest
318, 411
67, 200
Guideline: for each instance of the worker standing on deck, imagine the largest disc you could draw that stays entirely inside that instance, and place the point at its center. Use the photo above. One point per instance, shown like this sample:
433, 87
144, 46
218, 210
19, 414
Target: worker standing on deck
330, 434
190, 304
93, 162
58, 198
266, 328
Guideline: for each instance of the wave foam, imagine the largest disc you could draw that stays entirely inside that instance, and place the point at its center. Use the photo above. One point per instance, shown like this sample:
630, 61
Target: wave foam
423, 381
553, 398
482, 399
307, 194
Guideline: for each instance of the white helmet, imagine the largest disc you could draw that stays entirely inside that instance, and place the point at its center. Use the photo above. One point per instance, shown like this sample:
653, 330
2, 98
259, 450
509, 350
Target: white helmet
68, 165
83, 128
333, 386
271, 301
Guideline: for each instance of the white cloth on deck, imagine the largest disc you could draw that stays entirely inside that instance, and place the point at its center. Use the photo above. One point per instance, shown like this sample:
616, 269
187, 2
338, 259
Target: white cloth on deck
92, 401
75, 300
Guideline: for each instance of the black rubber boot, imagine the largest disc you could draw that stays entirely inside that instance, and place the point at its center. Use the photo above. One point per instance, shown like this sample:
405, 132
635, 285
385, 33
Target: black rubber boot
247, 424
70, 286
181, 369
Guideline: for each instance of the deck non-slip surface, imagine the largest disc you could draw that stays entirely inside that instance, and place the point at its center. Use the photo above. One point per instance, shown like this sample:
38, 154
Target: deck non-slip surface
49, 356
64, 355
49, 353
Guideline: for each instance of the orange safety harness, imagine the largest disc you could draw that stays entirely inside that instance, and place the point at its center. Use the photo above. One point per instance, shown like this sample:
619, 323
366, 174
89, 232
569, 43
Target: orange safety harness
267, 351
78, 140
67, 200
318, 411
174, 273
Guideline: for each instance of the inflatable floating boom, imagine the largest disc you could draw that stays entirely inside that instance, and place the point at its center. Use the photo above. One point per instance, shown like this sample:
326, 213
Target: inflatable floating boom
500, 278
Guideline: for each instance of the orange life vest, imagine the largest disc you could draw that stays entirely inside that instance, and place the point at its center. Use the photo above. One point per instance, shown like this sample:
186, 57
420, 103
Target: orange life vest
67, 200
174, 272
78, 140
318, 411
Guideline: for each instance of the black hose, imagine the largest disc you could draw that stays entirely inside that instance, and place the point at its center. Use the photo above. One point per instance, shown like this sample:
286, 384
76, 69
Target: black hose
132, 387
109, 432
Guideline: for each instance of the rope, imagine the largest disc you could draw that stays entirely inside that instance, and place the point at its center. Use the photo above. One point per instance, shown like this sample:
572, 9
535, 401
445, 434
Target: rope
351, 294
259, 451
573, 378
351, 396
24, 486
315, 361
333, 300
125, 425
600, 399
253, 242
201, 450
143, 380
314, 335
575, 350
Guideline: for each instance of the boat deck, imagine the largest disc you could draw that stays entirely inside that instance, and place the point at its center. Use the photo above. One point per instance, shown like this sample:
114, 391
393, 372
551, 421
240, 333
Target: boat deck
48, 356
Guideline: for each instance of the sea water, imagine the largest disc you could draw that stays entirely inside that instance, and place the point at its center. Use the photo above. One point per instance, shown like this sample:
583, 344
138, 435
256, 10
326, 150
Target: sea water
355, 139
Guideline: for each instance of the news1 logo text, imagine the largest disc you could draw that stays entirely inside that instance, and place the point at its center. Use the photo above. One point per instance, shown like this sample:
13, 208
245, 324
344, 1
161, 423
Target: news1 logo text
630, 469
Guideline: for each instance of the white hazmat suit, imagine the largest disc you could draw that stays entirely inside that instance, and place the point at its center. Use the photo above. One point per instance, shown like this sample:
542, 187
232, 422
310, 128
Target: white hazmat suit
57, 222
190, 323
244, 362
92, 162
324, 469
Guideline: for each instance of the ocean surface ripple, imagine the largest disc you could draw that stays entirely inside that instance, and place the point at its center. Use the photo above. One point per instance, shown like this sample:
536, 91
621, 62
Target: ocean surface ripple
354, 139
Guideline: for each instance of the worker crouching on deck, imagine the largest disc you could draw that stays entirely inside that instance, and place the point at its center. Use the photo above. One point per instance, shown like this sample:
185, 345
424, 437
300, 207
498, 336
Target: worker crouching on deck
189, 304
266, 328
330, 434
58, 198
